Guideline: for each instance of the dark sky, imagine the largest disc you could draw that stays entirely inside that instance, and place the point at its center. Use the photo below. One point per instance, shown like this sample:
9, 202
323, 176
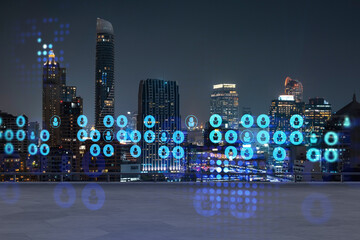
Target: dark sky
254, 44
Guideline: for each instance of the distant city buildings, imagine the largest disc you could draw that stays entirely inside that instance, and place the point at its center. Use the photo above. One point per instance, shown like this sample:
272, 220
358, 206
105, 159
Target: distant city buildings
225, 102
104, 72
295, 88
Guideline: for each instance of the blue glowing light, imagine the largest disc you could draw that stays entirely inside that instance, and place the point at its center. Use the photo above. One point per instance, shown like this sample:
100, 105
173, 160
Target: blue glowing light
247, 121
108, 121
178, 137
39, 54
263, 137
178, 152
331, 138
215, 120
44, 135
163, 151
108, 150
121, 120
82, 121
149, 121
231, 136
149, 136
296, 121
296, 138
44, 53
95, 135
313, 155
82, 135
95, 150
230, 152
50, 46
108, 135
121, 136
215, 136
135, 136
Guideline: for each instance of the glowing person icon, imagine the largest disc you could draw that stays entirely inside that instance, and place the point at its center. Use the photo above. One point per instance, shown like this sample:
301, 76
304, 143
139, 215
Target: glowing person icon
82, 121
163, 137
136, 152
122, 136
296, 138
178, 137
231, 153
313, 138
216, 137
247, 153
263, 137
279, 154
331, 156
279, 138
313, 155
82, 135
163, 152
247, 137
32, 149
149, 137
95, 150
178, 153
20, 121
296, 121
55, 122
108, 136
108, 121
263, 121
108, 150
122, 122
231, 136
216, 121
32, 135
331, 139
136, 136
247, 121
191, 122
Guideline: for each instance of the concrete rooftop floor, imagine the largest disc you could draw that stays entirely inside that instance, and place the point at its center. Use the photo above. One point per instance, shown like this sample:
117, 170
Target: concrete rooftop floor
80, 211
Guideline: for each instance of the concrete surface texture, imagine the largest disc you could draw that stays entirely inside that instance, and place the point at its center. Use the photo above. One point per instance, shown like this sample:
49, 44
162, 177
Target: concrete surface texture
90, 211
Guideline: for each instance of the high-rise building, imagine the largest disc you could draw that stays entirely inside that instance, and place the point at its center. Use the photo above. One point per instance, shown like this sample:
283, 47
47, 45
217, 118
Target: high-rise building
53, 82
160, 99
69, 113
317, 113
225, 102
104, 72
280, 113
14, 162
344, 123
294, 87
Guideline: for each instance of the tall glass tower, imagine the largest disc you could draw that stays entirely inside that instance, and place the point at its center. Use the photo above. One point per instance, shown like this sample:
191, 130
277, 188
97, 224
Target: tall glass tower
225, 102
160, 99
104, 72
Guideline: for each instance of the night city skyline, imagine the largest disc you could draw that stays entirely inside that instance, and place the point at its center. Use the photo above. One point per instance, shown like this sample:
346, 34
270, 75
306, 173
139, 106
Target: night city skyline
242, 45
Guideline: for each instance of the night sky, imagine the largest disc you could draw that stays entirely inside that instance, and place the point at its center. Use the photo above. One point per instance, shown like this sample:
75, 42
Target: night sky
254, 44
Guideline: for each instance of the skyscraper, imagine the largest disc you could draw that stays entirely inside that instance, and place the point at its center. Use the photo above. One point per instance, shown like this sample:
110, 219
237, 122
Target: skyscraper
53, 81
280, 113
160, 99
294, 87
104, 72
225, 102
317, 113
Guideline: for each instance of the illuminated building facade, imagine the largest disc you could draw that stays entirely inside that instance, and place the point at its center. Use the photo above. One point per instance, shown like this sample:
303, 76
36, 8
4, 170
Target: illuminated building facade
345, 124
280, 113
53, 82
225, 102
317, 113
294, 87
69, 113
104, 72
160, 99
